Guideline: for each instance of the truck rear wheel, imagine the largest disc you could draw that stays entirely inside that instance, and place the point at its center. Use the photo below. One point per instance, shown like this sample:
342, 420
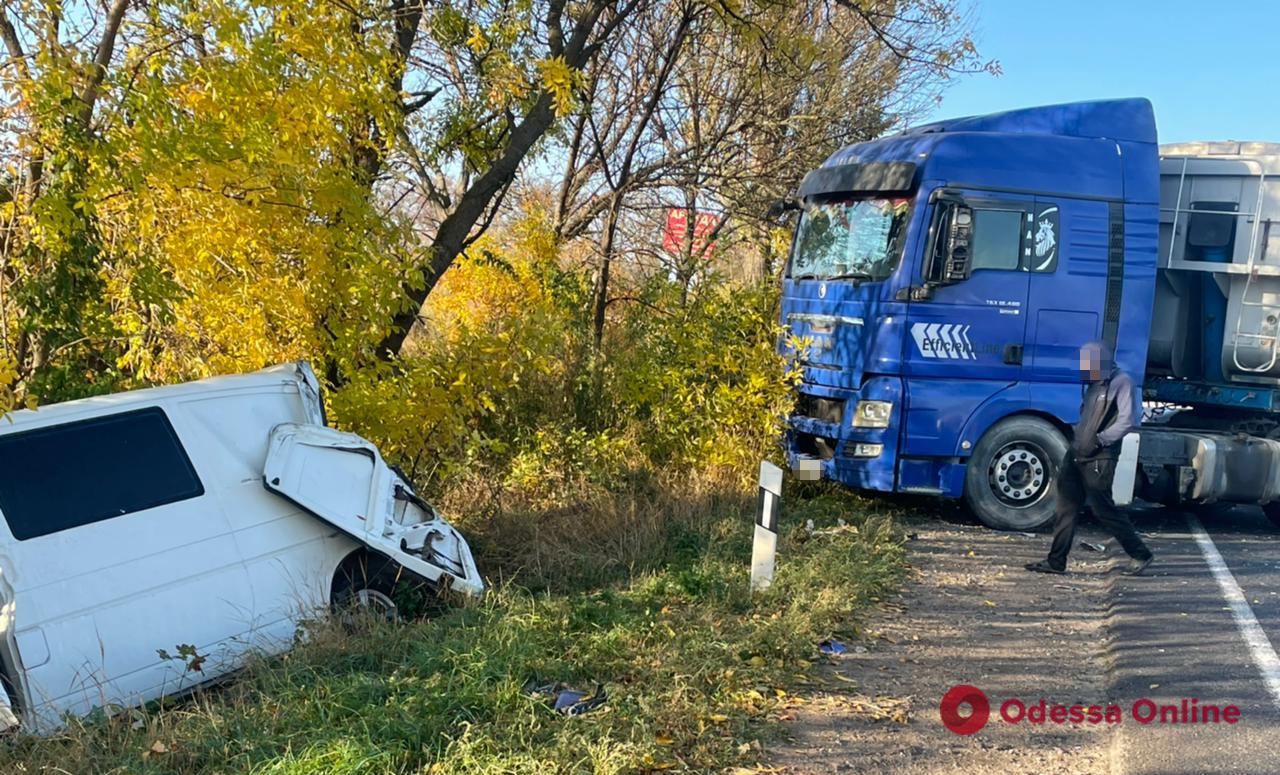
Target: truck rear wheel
1272, 510
1009, 479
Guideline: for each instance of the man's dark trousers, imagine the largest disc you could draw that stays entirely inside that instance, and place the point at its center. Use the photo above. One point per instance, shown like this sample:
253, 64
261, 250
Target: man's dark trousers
1089, 481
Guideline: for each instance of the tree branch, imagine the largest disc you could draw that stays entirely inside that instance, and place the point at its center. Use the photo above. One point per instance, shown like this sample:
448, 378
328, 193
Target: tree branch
13, 44
102, 59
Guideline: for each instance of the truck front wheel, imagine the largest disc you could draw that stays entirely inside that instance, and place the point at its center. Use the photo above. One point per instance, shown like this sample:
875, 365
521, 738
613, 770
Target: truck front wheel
1272, 510
1009, 480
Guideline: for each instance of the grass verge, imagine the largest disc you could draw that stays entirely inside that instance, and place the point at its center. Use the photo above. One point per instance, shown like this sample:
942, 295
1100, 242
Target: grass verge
694, 667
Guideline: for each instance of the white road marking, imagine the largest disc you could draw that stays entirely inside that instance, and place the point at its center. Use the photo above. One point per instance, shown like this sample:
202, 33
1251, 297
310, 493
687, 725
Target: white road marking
1264, 656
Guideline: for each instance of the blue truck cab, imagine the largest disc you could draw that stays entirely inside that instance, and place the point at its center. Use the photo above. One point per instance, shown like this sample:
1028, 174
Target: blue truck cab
940, 284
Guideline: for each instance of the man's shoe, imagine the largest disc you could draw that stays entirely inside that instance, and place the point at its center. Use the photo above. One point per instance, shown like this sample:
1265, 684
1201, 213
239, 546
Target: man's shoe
1136, 567
1043, 567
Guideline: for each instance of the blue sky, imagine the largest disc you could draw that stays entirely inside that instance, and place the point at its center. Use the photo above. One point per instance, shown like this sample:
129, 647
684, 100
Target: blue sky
1212, 69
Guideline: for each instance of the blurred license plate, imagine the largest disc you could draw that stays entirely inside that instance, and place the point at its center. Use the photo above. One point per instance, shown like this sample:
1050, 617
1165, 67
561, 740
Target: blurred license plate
807, 469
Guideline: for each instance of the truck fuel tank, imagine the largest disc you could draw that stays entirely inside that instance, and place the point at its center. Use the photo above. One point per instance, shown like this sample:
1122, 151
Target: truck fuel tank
1208, 466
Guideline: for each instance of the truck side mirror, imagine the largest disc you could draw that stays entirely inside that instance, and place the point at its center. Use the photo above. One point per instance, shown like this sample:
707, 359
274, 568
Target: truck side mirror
781, 208
959, 233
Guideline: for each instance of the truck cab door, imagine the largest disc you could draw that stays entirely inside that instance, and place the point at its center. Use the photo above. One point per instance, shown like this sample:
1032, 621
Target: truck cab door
341, 479
966, 335
1066, 301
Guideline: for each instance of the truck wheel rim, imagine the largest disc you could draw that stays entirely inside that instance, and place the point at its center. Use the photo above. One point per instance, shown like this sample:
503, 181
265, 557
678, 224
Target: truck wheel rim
1019, 475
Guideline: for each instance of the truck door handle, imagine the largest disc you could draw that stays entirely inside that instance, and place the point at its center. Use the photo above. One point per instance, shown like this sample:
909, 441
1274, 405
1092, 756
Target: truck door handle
1013, 354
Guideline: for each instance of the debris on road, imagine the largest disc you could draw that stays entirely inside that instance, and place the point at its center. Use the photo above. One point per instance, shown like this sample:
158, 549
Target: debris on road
832, 647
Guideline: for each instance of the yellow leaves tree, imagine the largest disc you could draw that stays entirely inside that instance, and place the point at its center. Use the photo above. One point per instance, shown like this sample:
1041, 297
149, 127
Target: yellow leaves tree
200, 186
205, 211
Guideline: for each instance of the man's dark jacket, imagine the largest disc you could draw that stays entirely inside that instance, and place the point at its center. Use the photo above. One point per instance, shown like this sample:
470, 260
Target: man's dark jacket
1109, 412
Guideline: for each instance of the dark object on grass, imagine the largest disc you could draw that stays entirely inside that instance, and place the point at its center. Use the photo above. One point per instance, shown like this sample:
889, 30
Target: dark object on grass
565, 700
832, 647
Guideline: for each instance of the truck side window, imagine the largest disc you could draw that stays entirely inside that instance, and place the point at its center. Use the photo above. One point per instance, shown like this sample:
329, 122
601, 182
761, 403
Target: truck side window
997, 239
74, 474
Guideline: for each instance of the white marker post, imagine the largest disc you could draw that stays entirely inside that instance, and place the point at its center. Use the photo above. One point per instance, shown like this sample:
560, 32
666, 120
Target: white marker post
765, 546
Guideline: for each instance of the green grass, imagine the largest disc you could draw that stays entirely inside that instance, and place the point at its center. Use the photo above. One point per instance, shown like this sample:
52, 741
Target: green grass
691, 661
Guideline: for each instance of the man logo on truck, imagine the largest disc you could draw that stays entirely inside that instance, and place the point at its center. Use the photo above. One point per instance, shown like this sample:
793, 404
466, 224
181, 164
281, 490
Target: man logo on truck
943, 340
1046, 239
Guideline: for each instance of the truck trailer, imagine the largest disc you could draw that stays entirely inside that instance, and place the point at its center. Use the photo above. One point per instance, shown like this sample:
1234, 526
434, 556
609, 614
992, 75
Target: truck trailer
943, 279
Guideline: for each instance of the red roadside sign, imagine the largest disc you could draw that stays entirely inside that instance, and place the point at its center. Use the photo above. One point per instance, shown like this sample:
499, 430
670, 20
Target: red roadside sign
673, 237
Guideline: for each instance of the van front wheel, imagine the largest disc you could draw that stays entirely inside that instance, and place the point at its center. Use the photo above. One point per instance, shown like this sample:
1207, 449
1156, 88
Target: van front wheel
1009, 479
365, 583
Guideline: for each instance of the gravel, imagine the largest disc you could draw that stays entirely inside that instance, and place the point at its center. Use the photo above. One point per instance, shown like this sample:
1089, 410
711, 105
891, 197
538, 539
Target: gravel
968, 614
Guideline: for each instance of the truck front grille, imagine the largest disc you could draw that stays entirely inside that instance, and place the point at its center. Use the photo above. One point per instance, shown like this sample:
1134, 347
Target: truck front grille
818, 408
820, 447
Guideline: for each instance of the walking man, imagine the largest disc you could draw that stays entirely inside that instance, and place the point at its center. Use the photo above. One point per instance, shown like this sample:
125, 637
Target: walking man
1109, 412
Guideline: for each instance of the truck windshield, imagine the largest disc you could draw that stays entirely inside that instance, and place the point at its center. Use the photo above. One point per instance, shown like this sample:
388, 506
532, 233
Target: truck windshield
853, 237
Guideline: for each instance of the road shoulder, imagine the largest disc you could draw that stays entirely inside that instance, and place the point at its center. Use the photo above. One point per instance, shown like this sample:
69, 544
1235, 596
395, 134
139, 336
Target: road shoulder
968, 614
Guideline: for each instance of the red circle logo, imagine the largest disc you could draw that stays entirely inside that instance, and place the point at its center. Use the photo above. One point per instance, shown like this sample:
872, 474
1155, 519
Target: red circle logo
979, 709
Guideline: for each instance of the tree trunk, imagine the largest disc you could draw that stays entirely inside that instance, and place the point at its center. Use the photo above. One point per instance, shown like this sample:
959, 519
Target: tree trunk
600, 295
452, 235
684, 266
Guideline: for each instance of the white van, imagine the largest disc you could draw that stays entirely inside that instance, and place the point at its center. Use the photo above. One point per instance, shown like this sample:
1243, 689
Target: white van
210, 515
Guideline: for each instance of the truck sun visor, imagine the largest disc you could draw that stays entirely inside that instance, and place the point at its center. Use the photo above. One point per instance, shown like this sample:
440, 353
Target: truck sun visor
879, 177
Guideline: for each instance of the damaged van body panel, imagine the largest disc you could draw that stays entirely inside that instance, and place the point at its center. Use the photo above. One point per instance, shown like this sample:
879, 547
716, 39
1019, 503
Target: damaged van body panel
136, 524
340, 478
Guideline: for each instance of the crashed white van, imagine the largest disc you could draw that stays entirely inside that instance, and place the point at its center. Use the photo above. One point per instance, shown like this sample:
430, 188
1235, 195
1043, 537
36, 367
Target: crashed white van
210, 515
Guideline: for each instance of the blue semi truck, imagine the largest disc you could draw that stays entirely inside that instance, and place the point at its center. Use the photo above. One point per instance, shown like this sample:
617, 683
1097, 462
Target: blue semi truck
941, 281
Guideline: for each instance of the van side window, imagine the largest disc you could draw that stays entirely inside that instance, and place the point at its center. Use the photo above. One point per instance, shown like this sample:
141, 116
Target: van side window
78, 473
997, 239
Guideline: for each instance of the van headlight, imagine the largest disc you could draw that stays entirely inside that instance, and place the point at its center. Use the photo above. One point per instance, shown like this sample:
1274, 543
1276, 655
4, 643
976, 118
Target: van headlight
872, 414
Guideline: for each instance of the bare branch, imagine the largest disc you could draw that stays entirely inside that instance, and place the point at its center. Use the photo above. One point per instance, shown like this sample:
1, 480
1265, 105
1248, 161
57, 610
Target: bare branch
102, 59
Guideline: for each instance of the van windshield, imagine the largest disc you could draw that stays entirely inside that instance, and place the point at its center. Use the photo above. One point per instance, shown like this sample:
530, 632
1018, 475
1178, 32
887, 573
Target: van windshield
858, 238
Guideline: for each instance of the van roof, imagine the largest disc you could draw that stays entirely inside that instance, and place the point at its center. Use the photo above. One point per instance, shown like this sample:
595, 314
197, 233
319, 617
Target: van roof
285, 373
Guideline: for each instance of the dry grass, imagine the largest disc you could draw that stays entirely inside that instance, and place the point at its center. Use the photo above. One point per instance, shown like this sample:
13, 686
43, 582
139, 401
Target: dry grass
596, 535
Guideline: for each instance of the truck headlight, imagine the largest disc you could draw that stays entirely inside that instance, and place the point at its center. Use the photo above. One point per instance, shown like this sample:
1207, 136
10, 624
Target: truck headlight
872, 414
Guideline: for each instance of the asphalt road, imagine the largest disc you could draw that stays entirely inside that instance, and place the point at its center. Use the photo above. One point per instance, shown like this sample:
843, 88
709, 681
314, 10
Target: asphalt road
1203, 624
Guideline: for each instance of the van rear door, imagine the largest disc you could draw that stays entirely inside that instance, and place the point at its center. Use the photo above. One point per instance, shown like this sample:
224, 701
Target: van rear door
342, 479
